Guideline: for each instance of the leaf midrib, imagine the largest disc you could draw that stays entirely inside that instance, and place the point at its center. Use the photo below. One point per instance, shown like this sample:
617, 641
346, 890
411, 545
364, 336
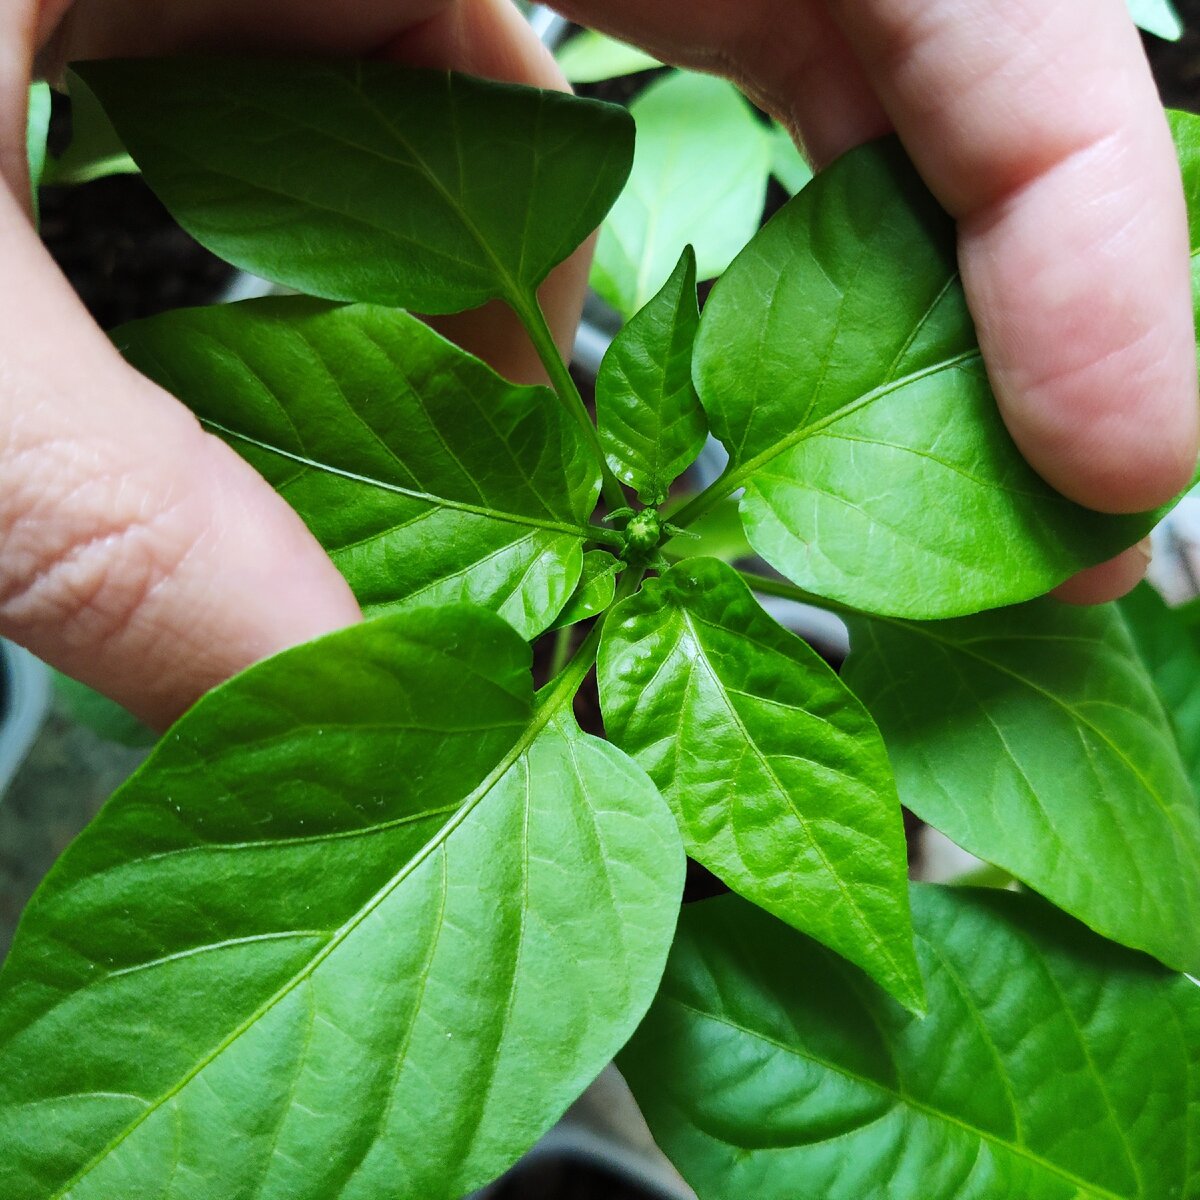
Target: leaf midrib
495, 514
740, 474
1085, 1187
881, 944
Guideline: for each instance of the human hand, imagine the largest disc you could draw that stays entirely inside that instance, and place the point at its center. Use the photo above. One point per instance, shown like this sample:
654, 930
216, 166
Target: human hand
1038, 128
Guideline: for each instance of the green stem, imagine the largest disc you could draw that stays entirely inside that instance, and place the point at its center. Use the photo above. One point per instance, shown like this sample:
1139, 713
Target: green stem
562, 650
568, 681
767, 586
606, 537
529, 310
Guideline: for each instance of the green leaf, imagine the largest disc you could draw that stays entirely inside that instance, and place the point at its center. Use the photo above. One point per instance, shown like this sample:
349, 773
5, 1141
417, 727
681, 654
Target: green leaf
1033, 738
1157, 17
788, 165
597, 585
1052, 1065
838, 364
368, 181
775, 772
426, 476
104, 717
365, 923
649, 416
717, 534
95, 150
37, 128
699, 176
590, 57
1167, 642
1185, 130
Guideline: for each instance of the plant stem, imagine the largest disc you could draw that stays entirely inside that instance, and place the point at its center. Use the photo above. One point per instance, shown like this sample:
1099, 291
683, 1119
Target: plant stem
606, 537
562, 650
529, 309
789, 591
567, 682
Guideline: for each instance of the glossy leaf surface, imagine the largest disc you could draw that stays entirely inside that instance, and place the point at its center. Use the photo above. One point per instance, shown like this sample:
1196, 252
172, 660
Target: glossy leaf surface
838, 364
650, 421
363, 926
426, 476
590, 57
368, 181
717, 534
1052, 1065
595, 590
1168, 643
699, 177
775, 772
1033, 737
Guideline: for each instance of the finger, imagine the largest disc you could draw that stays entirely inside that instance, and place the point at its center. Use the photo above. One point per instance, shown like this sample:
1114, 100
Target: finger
136, 552
1109, 580
1039, 127
788, 56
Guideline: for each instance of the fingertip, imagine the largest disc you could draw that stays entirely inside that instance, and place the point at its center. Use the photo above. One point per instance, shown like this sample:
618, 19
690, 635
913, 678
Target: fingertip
1107, 580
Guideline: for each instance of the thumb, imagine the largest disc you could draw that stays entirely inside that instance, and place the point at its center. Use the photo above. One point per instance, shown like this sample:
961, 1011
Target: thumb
137, 553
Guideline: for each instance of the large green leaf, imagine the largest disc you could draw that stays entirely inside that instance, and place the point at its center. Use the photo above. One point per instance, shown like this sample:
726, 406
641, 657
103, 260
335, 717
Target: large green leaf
775, 772
363, 926
1167, 642
699, 176
368, 181
838, 364
650, 421
1052, 1065
590, 57
1033, 737
426, 476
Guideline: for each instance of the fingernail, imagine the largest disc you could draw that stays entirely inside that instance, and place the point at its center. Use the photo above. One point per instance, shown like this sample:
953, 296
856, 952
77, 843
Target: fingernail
1145, 549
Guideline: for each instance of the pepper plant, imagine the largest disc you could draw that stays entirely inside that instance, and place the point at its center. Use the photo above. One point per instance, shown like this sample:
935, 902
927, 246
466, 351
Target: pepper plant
376, 911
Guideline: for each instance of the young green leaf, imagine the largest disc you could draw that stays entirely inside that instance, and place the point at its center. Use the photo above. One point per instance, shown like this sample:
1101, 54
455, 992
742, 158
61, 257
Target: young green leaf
595, 591
368, 181
788, 165
776, 774
329, 940
1167, 642
649, 416
590, 57
699, 176
426, 476
838, 364
1033, 737
1157, 17
104, 717
95, 150
36, 129
1052, 1065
